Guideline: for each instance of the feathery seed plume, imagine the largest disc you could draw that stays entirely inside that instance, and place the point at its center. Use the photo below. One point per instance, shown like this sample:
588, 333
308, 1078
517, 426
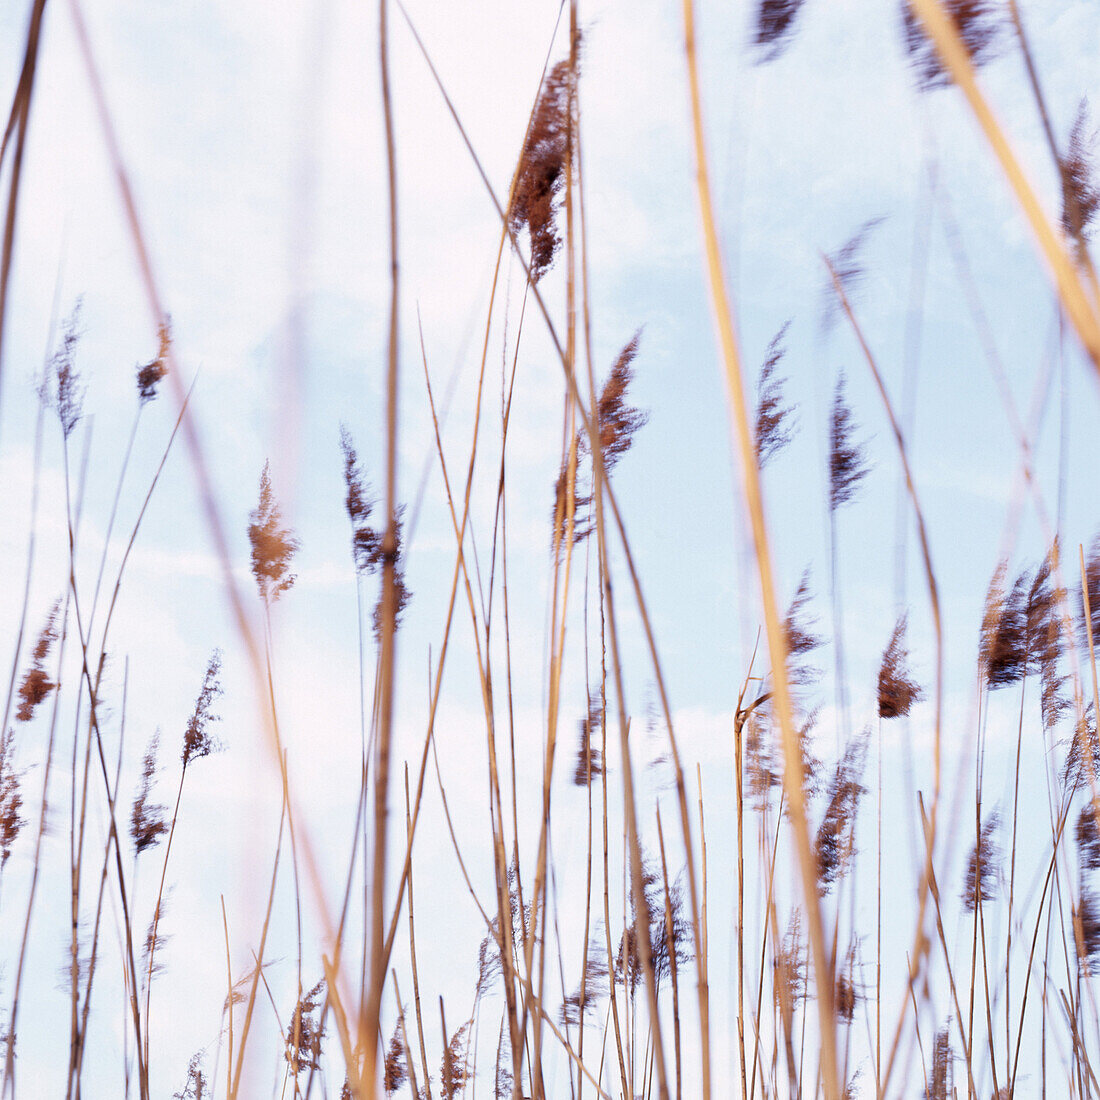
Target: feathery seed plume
835, 842
306, 1031
848, 464
150, 374
542, 168
589, 758
1080, 190
978, 23
197, 741
981, 867
69, 395
774, 27
273, 546
897, 691
148, 821
36, 683
455, 1067
395, 1072
773, 428
11, 799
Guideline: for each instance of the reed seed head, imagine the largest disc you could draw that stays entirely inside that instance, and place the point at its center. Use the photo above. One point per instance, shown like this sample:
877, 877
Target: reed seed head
982, 867
197, 741
897, 691
1080, 190
848, 464
150, 374
979, 24
36, 684
774, 429
774, 29
273, 546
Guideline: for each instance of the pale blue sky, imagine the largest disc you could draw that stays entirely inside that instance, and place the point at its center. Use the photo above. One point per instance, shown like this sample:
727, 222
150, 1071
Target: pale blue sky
253, 137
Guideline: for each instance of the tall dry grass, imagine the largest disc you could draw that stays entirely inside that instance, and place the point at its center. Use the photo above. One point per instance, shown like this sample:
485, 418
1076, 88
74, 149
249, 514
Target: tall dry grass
852, 969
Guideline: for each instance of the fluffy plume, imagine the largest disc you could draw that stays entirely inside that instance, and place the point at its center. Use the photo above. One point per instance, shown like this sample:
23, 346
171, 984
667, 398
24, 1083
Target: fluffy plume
1083, 747
69, 394
897, 691
774, 27
488, 959
155, 939
834, 845
1080, 192
583, 523
197, 741
589, 758
846, 996
1044, 634
401, 592
939, 1081
455, 1067
306, 1031
1086, 932
773, 427
663, 948
148, 820
195, 1088
11, 800
790, 963
761, 767
395, 1071
617, 420
981, 867
150, 374
1091, 625
1002, 653
847, 459
366, 543
1088, 838
542, 169
576, 1005
847, 266
273, 546
36, 683
502, 1083
978, 23
797, 629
